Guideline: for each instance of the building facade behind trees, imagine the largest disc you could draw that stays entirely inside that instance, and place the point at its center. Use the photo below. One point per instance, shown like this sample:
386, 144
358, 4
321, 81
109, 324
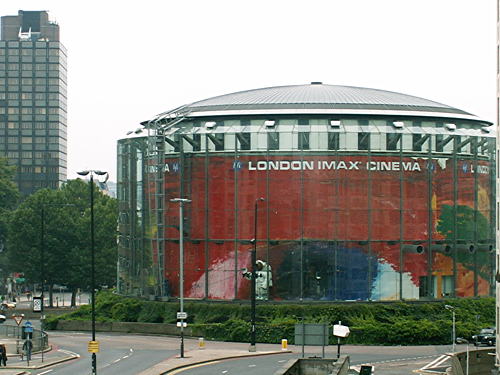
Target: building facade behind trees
369, 195
33, 113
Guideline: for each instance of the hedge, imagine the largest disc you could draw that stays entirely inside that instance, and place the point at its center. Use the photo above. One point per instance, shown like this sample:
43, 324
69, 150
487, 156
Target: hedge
391, 323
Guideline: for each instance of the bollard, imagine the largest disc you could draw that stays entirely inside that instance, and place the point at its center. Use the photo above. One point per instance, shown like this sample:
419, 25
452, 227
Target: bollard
284, 344
201, 343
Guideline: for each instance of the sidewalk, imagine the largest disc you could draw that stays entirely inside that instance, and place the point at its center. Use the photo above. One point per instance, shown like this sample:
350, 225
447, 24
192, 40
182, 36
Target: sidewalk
213, 351
15, 366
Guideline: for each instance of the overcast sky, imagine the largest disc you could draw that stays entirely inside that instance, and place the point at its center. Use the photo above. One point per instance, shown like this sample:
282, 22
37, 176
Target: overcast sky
128, 61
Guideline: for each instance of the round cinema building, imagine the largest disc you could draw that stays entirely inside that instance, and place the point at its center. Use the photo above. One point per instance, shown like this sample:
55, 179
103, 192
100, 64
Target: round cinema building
351, 194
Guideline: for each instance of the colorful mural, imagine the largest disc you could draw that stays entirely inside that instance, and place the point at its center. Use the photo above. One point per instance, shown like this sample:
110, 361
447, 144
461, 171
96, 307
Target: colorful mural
347, 227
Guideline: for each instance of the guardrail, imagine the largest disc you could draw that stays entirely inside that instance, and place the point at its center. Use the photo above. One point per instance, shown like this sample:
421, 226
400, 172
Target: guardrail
39, 338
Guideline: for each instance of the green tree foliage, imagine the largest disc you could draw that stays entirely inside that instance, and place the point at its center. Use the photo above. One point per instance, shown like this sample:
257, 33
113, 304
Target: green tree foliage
391, 323
67, 240
9, 196
471, 225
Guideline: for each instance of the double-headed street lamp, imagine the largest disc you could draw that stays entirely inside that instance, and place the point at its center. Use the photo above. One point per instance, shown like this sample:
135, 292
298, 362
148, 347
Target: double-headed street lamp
181, 202
453, 333
254, 276
92, 260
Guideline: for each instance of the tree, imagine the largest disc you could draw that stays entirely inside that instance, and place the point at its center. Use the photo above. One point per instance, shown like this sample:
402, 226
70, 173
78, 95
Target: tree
9, 196
66, 237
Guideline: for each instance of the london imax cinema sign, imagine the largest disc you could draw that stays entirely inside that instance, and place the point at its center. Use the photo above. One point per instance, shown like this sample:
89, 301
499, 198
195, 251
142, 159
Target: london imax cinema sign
342, 165
335, 165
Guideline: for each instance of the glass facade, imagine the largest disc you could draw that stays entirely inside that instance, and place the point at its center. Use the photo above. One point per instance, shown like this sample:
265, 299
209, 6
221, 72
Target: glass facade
362, 210
33, 109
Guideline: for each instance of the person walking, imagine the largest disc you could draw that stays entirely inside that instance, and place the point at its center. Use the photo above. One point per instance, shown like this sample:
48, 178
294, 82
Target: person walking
3, 352
27, 346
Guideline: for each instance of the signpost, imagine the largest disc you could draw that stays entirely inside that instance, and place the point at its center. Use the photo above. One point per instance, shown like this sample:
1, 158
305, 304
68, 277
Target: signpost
93, 347
311, 334
18, 318
340, 331
37, 304
182, 315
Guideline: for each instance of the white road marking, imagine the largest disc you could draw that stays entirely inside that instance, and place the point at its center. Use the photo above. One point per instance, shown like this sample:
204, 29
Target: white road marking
224, 372
125, 356
117, 360
398, 360
438, 361
252, 365
45, 372
70, 353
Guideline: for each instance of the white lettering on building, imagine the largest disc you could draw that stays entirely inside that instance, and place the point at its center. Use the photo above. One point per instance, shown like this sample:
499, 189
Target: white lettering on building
301, 165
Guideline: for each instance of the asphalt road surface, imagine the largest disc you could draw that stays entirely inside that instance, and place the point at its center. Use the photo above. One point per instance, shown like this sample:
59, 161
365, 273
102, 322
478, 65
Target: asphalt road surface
386, 360
119, 354
130, 354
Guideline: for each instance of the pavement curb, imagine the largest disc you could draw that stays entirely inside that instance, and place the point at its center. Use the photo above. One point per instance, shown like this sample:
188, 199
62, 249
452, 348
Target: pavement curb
37, 367
186, 365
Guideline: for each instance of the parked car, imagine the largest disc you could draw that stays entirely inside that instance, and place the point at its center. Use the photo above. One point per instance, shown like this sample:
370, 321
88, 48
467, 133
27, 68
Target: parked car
487, 336
2, 318
8, 305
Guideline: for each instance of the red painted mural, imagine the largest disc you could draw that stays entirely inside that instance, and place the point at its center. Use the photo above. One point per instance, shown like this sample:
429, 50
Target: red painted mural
331, 227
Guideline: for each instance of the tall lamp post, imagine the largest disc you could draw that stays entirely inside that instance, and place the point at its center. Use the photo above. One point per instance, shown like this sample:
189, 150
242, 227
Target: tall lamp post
254, 276
453, 332
181, 314
93, 344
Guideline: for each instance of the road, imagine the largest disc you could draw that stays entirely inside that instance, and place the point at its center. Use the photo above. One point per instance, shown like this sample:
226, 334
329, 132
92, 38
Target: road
386, 360
130, 354
119, 354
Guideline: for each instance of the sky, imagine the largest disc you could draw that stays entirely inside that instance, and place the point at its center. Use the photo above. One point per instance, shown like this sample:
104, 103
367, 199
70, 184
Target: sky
130, 60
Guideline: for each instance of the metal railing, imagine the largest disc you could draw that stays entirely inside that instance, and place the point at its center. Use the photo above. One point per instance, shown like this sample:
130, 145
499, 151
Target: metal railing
39, 338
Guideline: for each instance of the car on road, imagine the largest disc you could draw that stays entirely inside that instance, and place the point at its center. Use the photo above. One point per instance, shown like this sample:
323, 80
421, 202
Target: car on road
487, 336
8, 305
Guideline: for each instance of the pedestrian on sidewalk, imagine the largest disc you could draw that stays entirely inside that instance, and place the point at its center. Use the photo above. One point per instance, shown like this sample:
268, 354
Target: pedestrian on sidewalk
3, 353
27, 346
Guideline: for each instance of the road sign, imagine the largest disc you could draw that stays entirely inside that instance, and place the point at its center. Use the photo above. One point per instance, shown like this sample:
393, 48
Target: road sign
18, 318
341, 331
28, 324
182, 315
93, 347
184, 324
37, 304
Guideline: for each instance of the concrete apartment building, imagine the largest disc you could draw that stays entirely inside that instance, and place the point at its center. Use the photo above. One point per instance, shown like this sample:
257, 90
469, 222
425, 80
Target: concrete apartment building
33, 111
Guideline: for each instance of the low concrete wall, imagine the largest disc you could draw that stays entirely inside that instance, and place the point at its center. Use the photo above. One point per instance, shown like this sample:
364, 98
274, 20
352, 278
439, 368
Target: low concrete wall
481, 362
315, 366
125, 327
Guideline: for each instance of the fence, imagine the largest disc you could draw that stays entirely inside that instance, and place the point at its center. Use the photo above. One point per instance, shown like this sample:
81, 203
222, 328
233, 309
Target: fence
39, 338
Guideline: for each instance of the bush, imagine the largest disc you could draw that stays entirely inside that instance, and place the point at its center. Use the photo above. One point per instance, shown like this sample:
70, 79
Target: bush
391, 323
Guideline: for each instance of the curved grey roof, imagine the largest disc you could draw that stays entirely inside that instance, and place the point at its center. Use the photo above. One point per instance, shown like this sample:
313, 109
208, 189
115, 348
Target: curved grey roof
318, 98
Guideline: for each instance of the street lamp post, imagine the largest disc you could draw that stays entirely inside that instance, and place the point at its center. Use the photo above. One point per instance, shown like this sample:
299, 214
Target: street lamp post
92, 256
453, 332
252, 291
181, 201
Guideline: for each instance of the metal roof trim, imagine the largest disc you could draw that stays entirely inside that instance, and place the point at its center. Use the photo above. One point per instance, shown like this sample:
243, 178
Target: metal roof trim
306, 111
